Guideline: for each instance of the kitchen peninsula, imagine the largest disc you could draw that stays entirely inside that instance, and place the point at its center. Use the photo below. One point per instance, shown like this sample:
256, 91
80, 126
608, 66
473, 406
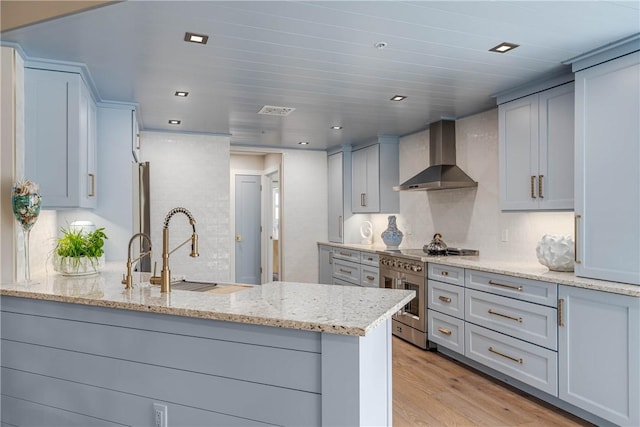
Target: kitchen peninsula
85, 351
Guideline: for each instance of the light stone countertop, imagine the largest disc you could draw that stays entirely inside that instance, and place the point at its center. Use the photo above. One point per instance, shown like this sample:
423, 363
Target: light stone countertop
517, 269
343, 310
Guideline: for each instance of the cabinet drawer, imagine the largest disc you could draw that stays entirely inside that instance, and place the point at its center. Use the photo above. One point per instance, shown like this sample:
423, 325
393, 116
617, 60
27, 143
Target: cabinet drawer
444, 273
369, 276
342, 282
445, 298
534, 323
346, 270
514, 287
369, 258
346, 254
525, 362
446, 331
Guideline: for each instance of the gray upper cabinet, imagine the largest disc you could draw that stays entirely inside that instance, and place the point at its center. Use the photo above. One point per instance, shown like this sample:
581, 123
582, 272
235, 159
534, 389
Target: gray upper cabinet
61, 138
607, 173
375, 170
536, 141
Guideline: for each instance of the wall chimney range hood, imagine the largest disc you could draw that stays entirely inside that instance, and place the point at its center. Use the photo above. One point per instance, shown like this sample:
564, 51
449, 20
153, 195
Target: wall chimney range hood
443, 174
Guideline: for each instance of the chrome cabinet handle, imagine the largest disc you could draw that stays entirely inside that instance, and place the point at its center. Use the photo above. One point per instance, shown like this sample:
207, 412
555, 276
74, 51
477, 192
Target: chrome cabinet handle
575, 240
517, 288
444, 331
515, 359
540, 178
506, 316
444, 299
92, 191
533, 185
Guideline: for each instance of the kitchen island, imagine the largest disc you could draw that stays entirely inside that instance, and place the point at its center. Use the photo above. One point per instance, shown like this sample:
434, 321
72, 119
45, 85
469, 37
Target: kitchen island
85, 351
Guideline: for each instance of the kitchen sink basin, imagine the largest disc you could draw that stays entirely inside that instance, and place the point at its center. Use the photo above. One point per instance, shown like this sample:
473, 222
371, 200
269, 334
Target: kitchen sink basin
210, 287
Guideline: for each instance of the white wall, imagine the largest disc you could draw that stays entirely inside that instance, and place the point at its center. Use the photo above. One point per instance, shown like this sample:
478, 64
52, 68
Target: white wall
468, 218
191, 171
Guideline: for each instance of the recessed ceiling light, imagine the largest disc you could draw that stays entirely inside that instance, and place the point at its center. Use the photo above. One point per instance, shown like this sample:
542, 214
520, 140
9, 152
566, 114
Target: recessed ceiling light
303, 143
196, 38
398, 98
380, 45
174, 122
336, 127
182, 94
504, 47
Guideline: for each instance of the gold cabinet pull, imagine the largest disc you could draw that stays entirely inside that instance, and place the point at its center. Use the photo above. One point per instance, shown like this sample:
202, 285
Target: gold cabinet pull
533, 185
506, 316
92, 191
502, 285
370, 277
342, 270
575, 239
345, 253
515, 359
340, 226
444, 331
560, 312
238, 237
444, 273
363, 199
330, 257
444, 299
540, 178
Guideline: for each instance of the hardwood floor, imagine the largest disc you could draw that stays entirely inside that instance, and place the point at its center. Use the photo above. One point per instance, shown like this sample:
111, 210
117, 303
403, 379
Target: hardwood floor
430, 389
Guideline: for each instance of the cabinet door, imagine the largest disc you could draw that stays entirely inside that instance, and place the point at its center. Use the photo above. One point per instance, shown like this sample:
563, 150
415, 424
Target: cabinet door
51, 139
555, 167
335, 200
365, 180
518, 151
325, 263
599, 353
607, 204
88, 162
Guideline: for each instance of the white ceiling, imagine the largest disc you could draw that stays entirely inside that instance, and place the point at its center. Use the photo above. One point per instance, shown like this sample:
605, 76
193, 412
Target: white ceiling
319, 57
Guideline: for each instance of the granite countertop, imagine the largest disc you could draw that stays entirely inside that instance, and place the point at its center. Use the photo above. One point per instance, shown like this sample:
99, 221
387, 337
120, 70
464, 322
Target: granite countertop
494, 264
343, 310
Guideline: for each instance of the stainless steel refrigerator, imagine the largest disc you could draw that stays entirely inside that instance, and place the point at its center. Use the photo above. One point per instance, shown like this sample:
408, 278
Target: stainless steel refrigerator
142, 211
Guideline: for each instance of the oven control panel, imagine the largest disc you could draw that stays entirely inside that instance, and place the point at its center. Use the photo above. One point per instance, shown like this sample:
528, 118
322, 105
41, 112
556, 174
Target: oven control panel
401, 264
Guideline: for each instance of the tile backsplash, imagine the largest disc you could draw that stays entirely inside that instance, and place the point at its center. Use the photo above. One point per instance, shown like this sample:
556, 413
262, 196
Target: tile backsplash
470, 217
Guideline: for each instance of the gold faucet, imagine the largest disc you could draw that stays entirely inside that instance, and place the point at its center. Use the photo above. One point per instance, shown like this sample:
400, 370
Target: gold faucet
164, 280
127, 280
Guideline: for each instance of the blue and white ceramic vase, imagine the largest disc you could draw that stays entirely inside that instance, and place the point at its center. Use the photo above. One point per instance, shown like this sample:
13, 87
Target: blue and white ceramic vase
392, 237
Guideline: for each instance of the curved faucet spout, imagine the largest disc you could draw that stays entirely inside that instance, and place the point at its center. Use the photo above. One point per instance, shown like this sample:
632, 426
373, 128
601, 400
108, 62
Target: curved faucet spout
164, 280
127, 281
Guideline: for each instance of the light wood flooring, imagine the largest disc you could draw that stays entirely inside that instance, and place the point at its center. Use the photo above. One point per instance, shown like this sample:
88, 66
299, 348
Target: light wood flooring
430, 389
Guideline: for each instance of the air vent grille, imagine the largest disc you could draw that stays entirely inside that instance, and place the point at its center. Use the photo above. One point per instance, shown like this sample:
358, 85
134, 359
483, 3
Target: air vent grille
272, 110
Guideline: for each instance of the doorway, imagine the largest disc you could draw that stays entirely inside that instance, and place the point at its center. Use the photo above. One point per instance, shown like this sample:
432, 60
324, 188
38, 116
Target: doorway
272, 208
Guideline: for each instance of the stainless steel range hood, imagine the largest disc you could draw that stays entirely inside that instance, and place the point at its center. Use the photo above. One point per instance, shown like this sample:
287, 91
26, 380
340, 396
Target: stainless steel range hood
443, 174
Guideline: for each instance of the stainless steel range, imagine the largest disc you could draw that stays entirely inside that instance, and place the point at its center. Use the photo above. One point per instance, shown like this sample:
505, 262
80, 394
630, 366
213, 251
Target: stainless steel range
407, 269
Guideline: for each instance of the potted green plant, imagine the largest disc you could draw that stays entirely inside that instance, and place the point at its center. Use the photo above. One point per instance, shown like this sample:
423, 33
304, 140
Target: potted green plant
78, 252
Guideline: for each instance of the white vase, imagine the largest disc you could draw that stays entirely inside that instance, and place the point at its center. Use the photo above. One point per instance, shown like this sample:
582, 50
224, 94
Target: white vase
78, 266
556, 252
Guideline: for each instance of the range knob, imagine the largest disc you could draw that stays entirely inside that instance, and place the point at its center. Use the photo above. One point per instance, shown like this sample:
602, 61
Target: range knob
407, 266
416, 268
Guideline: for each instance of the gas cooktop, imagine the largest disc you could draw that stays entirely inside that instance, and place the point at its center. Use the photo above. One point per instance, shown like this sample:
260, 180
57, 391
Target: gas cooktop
421, 253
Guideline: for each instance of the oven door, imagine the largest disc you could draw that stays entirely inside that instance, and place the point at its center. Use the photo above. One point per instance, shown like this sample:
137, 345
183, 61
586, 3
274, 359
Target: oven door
414, 313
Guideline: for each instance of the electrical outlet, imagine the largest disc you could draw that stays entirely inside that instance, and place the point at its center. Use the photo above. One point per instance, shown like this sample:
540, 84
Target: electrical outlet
504, 235
159, 415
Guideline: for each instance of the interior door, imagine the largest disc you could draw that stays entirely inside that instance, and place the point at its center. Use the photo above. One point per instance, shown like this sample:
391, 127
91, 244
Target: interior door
247, 239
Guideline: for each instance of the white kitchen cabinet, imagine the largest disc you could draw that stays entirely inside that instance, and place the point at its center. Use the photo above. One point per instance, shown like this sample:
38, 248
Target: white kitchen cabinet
607, 176
536, 140
375, 170
325, 263
61, 141
599, 353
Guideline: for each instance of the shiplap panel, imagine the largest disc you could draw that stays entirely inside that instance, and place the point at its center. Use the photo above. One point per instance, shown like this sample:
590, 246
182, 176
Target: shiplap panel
230, 331
225, 395
261, 364
62, 402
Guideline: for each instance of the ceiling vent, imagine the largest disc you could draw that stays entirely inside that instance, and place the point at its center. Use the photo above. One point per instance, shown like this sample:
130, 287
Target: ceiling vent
271, 110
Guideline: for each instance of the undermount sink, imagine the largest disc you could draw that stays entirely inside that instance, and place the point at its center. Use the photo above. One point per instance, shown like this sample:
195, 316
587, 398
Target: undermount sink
210, 287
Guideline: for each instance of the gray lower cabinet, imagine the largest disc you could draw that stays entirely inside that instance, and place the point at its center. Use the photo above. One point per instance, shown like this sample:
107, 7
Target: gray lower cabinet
325, 264
599, 353
445, 306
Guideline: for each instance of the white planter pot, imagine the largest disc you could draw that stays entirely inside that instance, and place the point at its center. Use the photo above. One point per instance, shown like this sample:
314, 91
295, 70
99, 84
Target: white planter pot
556, 252
82, 266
